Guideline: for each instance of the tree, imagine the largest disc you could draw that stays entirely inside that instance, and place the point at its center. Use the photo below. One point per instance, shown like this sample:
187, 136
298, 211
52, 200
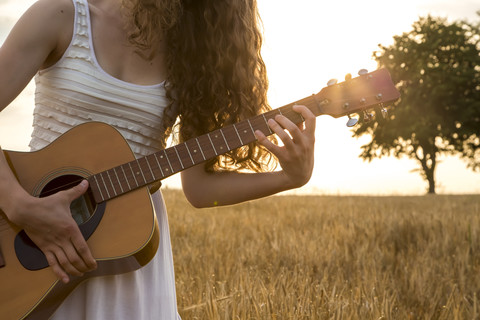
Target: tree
436, 67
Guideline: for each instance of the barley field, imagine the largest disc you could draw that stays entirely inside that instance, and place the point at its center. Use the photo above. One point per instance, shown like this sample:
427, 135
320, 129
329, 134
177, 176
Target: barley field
328, 257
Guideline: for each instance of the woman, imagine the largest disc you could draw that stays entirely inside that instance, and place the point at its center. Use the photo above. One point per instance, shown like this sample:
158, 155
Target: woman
138, 66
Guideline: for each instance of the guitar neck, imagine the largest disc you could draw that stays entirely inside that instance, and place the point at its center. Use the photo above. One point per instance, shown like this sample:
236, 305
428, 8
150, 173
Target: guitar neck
354, 95
162, 164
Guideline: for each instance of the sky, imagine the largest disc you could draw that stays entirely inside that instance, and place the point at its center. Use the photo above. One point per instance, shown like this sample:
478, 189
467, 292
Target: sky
306, 43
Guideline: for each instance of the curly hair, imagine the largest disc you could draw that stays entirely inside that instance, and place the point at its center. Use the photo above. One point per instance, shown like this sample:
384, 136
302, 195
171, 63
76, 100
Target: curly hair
216, 74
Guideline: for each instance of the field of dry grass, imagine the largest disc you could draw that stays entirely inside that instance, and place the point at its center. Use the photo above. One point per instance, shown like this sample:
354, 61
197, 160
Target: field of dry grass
328, 257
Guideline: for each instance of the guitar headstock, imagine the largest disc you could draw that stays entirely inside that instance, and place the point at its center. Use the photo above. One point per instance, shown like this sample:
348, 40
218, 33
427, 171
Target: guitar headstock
357, 95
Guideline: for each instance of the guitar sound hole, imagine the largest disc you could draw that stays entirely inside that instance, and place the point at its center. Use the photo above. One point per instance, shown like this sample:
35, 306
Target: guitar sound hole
86, 213
82, 208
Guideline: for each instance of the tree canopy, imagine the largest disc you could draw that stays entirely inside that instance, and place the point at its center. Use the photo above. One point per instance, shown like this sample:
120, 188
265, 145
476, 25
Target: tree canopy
436, 67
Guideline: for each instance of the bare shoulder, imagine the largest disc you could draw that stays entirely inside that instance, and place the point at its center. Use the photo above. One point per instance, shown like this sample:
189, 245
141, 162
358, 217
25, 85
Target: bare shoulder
52, 6
47, 27
41, 26
37, 37
52, 12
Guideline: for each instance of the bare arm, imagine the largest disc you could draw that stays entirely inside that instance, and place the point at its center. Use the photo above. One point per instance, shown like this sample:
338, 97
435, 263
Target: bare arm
204, 189
25, 50
32, 44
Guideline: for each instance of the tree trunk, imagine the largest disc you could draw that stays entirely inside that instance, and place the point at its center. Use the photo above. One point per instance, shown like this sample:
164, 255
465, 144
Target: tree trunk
428, 162
430, 176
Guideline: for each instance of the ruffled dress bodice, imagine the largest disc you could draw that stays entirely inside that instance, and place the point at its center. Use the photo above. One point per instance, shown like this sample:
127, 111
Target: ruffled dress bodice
77, 90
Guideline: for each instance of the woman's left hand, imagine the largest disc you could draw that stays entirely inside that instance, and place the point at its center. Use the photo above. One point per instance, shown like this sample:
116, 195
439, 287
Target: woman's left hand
296, 156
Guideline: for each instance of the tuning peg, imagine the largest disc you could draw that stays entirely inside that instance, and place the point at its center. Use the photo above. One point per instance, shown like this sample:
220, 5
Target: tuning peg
351, 121
384, 113
332, 82
361, 72
367, 117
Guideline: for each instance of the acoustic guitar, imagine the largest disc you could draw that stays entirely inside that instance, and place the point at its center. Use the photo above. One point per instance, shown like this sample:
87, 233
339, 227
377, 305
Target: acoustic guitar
116, 216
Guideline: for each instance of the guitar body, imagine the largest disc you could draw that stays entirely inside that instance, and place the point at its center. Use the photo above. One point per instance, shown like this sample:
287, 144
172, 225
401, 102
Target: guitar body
122, 233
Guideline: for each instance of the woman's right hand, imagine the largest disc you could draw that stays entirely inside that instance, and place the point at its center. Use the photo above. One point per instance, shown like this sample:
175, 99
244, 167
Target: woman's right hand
49, 224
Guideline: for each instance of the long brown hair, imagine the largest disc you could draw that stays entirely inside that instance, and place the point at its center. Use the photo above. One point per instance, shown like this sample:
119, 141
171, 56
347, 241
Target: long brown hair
216, 74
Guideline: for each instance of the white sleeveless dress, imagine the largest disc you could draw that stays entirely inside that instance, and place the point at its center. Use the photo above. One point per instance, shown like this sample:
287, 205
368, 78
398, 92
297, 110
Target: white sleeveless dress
77, 90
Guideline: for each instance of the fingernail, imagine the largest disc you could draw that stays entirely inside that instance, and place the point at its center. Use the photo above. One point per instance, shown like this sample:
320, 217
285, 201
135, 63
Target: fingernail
83, 183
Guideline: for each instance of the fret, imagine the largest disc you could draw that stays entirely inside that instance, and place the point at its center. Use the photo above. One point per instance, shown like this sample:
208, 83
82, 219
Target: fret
189, 153
232, 137
286, 111
209, 138
260, 124
273, 113
133, 174
219, 141
238, 134
178, 156
175, 161
244, 129
106, 189
126, 179
150, 168
165, 163
228, 147
195, 151
118, 179
296, 117
253, 131
168, 160
203, 155
145, 169
111, 182
184, 154
206, 147
140, 170
159, 165
98, 187
152, 162
266, 122
294, 114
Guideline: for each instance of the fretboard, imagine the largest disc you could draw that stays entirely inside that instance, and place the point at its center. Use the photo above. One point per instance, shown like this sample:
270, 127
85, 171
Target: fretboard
162, 164
352, 96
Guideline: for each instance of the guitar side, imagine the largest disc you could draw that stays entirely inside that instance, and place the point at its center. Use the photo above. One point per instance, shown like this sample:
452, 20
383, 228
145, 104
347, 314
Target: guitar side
124, 239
